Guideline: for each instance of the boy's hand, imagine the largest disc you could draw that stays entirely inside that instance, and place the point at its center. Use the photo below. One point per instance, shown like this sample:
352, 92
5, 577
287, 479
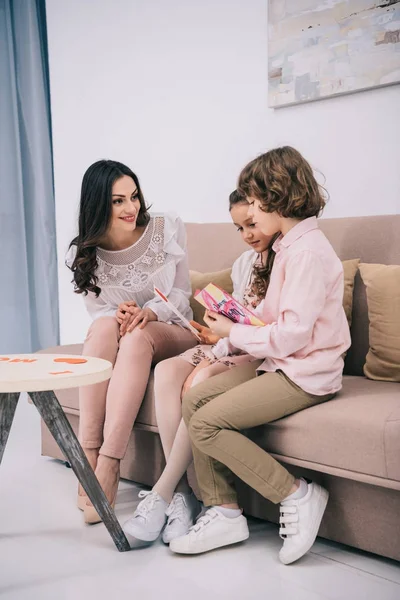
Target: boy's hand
205, 334
218, 324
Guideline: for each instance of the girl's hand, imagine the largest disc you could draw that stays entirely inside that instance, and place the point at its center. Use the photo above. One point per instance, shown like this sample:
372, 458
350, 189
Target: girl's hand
189, 380
205, 334
123, 308
137, 316
218, 324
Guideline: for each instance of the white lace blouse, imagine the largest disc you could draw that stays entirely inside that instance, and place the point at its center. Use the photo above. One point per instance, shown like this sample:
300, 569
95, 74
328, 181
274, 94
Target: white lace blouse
158, 259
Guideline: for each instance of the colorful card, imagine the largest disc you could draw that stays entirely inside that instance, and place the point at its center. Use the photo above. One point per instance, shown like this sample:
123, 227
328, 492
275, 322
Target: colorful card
214, 298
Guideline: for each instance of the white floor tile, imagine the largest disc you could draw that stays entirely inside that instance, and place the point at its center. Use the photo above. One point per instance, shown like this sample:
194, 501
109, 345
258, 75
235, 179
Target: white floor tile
377, 565
46, 551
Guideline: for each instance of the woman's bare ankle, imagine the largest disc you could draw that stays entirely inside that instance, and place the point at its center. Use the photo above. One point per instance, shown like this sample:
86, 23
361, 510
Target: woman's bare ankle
108, 462
92, 454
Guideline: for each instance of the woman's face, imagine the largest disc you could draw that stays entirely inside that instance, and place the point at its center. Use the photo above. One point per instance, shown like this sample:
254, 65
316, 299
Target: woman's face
268, 223
249, 230
125, 205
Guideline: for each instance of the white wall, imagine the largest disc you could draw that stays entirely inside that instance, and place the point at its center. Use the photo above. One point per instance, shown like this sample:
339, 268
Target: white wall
177, 89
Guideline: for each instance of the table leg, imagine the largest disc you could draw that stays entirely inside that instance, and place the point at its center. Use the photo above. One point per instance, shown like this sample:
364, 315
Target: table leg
8, 405
59, 426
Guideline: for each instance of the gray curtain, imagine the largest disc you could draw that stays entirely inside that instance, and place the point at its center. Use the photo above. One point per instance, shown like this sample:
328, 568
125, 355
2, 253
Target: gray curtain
28, 259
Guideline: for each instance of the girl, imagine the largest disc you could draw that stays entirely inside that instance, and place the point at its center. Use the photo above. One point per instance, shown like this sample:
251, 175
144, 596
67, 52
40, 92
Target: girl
300, 351
120, 253
171, 496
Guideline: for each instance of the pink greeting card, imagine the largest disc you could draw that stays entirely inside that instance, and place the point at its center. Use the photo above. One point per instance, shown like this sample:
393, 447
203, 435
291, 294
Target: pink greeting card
214, 298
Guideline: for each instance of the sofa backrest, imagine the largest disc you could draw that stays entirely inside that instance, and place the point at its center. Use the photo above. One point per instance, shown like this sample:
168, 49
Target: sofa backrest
214, 246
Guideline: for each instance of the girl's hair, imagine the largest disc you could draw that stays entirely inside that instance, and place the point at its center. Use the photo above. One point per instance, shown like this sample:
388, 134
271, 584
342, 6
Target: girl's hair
283, 181
94, 218
236, 198
262, 273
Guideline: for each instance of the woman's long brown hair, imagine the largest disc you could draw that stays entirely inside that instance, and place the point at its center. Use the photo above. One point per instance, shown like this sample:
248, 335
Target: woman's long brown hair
94, 219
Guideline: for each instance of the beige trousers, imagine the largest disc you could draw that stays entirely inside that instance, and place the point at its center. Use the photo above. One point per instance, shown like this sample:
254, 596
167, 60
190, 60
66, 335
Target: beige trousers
108, 410
216, 411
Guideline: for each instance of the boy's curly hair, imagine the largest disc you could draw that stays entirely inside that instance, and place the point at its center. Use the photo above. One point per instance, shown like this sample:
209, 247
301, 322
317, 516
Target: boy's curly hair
283, 181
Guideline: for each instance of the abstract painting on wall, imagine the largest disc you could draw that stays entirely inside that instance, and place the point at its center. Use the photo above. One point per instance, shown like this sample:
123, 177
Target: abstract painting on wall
322, 48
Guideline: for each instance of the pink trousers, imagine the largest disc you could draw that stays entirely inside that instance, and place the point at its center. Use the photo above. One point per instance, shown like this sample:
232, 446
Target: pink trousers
108, 410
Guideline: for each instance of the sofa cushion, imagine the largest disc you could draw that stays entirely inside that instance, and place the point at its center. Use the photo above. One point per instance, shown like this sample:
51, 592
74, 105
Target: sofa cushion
359, 430
349, 271
200, 280
383, 297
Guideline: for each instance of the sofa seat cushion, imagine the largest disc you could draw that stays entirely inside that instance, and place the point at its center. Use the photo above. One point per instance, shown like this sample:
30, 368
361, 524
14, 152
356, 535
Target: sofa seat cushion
358, 431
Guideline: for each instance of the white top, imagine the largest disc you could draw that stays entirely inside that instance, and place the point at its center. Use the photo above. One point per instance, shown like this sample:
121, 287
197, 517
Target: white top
157, 259
42, 372
242, 269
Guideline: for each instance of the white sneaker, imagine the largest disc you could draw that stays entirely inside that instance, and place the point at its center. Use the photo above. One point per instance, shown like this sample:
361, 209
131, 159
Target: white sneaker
148, 519
181, 513
212, 530
300, 521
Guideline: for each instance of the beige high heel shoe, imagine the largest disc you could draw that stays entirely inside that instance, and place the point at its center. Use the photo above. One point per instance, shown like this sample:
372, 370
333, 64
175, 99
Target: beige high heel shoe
90, 514
81, 501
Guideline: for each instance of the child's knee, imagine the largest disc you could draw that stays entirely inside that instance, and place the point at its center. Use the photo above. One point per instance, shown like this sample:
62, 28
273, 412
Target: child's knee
201, 432
208, 372
168, 368
163, 369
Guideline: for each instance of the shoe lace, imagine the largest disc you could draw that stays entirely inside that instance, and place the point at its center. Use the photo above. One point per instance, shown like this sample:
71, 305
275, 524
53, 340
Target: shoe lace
288, 519
147, 504
177, 507
203, 521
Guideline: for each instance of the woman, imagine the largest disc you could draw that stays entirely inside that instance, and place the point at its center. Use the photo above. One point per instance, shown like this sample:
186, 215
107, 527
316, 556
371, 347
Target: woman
119, 255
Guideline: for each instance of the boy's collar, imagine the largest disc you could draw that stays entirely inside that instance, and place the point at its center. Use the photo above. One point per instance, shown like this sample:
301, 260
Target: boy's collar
295, 233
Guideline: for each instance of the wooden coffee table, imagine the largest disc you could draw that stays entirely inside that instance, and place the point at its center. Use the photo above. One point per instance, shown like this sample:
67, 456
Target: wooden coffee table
39, 375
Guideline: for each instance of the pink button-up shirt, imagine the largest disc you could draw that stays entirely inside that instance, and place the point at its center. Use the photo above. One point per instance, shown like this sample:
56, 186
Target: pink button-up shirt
307, 331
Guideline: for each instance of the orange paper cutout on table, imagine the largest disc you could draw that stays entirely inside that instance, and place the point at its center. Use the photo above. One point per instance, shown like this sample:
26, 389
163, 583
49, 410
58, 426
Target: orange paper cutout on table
23, 360
60, 372
71, 361
3, 358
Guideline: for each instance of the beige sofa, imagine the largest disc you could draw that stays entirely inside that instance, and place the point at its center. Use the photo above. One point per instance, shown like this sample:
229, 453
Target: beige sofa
351, 444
